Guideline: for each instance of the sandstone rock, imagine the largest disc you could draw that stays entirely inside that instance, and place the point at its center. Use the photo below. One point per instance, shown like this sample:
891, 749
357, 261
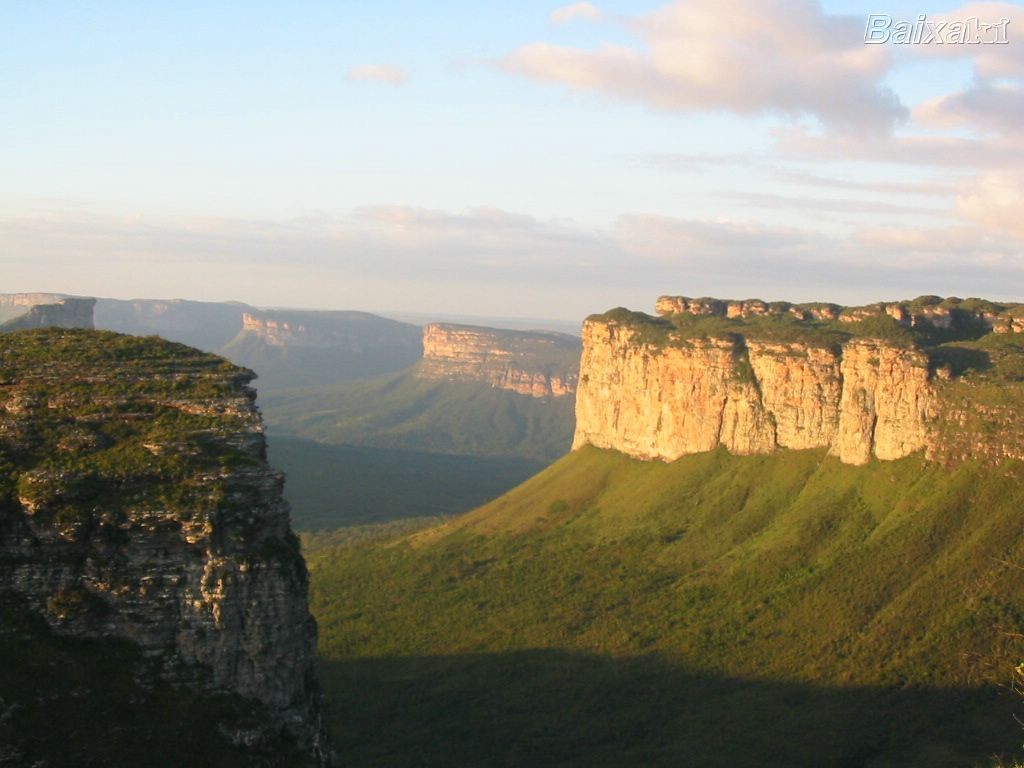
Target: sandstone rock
535, 363
864, 399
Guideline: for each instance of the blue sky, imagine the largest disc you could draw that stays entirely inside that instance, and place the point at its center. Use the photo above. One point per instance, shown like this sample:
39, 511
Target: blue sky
486, 159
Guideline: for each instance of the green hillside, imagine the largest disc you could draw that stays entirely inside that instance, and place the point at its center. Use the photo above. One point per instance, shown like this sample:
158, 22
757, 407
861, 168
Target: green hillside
783, 610
404, 412
331, 486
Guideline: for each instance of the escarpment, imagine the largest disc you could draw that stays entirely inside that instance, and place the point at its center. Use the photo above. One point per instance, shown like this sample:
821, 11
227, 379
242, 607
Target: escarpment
535, 363
753, 378
33, 310
136, 504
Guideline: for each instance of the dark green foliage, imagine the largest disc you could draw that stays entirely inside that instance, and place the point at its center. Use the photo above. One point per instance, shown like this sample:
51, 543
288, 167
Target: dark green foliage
69, 703
783, 610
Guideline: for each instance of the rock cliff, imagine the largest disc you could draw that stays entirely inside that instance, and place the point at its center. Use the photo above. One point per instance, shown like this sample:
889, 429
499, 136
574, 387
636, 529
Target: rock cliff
136, 503
33, 310
535, 363
753, 377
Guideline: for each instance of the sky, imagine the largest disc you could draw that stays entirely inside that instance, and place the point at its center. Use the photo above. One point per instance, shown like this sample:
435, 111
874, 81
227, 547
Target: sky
510, 158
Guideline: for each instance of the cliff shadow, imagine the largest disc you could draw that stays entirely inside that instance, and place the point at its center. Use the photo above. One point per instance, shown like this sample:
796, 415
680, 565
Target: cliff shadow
960, 360
557, 708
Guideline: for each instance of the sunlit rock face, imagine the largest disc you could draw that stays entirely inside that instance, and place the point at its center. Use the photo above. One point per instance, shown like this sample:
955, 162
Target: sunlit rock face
535, 363
658, 389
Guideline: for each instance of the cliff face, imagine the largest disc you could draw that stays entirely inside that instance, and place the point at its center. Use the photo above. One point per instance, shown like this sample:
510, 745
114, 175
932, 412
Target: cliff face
59, 313
672, 394
534, 363
136, 503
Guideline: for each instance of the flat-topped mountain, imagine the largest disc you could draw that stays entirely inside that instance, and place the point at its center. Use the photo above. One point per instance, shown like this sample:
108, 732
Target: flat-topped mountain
13, 305
293, 348
136, 505
206, 325
20, 311
941, 376
535, 363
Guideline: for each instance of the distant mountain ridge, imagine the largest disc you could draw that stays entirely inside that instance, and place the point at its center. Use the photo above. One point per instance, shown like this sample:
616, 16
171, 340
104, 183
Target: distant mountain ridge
25, 311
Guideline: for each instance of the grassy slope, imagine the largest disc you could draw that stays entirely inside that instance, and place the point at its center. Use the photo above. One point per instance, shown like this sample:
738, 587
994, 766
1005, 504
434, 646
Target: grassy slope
330, 486
777, 610
401, 447
407, 413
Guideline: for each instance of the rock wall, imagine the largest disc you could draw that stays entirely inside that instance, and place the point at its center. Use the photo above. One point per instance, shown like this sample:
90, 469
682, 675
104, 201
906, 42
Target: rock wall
62, 313
136, 503
861, 399
534, 363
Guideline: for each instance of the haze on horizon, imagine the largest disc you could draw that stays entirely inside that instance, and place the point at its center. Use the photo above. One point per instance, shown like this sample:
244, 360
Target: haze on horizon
522, 159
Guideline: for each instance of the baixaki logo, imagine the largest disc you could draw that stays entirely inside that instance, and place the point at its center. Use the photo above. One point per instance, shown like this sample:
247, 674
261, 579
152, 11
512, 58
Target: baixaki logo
881, 28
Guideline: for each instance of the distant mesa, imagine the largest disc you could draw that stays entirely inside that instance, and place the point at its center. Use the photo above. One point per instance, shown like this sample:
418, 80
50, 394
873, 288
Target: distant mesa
535, 363
884, 381
21, 311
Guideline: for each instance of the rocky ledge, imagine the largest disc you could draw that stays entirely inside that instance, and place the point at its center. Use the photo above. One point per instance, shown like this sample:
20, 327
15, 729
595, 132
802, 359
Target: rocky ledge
136, 503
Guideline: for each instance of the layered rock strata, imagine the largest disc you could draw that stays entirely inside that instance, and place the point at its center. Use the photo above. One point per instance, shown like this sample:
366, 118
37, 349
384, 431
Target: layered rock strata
860, 400
535, 363
136, 503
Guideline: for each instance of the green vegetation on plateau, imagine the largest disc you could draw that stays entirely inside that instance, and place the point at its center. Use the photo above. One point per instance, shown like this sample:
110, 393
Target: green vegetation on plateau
783, 610
780, 325
88, 411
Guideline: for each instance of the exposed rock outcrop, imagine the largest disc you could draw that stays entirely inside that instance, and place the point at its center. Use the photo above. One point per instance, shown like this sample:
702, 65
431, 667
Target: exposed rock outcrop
651, 389
534, 363
60, 313
934, 311
136, 503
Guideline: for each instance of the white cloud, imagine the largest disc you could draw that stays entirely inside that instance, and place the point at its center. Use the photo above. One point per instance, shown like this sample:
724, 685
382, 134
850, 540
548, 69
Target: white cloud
996, 202
491, 261
577, 11
749, 57
378, 73
992, 108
